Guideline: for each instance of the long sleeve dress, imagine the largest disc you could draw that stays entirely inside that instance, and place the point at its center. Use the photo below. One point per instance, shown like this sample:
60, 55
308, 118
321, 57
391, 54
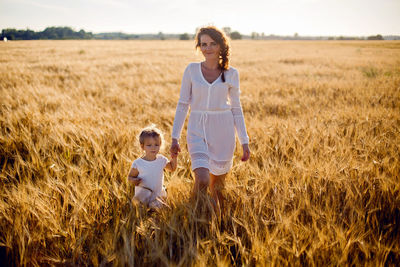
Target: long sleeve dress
215, 113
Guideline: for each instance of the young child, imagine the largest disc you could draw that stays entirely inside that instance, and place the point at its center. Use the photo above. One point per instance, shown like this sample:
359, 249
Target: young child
147, 172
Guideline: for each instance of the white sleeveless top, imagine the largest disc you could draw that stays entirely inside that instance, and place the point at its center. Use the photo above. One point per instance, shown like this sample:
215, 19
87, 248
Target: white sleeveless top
152, 175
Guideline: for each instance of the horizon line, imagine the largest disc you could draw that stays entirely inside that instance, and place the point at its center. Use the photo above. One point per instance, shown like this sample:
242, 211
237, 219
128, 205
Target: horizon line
246, 34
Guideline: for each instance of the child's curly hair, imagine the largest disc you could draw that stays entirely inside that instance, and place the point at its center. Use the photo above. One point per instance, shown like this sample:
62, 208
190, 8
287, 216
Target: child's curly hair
151, 131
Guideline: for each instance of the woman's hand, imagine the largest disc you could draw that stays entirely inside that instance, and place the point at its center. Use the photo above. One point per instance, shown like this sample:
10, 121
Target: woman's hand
175, 148
246, 152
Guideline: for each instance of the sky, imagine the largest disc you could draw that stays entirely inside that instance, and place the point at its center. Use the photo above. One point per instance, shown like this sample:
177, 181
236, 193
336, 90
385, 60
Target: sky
280, 17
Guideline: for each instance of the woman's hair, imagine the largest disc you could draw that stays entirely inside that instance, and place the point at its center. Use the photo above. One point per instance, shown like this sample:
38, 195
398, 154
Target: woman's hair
220, 38
150, 131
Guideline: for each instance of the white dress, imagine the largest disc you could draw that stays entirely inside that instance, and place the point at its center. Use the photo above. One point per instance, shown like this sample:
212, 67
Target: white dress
215, 113
151, 188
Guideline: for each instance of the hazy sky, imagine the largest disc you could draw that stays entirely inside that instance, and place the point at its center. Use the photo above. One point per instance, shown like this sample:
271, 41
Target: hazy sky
284, 17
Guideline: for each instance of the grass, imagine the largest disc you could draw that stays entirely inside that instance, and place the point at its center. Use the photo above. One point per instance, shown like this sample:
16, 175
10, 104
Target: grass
321, 188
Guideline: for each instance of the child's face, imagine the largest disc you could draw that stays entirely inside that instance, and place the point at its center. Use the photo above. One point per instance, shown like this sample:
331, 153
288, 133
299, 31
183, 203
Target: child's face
151, 146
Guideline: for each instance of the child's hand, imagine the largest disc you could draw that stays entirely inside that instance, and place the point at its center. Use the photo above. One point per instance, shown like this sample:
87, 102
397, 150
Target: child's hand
135, 181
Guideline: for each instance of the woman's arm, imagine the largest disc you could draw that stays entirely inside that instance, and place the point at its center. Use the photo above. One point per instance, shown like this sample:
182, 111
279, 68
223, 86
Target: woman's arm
236, 108
183, 104
237, 112
133, 176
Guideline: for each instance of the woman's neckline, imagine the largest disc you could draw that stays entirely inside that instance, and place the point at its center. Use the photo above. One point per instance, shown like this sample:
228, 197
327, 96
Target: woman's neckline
201, 73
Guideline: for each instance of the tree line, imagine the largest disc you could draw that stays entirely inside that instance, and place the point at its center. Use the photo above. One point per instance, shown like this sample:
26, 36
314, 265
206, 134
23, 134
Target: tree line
64, 33
52, 33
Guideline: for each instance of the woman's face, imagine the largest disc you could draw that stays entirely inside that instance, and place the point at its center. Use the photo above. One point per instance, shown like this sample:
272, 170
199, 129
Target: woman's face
209, 47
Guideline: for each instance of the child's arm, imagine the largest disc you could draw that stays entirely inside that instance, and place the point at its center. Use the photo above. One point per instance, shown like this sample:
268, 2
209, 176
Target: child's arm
172, 164
133, 176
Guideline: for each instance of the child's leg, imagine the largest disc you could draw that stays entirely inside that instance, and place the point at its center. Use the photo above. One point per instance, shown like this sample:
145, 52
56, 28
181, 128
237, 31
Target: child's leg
142, 195
159, 201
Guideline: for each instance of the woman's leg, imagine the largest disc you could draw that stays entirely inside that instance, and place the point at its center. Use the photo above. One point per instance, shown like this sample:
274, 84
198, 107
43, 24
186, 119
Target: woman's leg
217, 184
202, 180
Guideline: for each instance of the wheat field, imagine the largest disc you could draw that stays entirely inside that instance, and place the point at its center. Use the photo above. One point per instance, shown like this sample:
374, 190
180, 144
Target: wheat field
321, 188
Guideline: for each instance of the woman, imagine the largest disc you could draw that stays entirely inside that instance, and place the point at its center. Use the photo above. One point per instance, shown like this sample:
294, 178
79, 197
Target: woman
211, 88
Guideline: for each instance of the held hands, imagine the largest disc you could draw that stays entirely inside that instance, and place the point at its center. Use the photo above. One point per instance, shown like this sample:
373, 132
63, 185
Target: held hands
246, 152
175, 148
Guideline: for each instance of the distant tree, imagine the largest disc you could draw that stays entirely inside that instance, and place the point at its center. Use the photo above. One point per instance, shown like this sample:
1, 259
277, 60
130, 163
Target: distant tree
29, 35
58, 33
347, 38
375, 37
84, 35
161, 36
255, 35
184, 36
236, 35
296, 35
10, 34
227, 30
50, 33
